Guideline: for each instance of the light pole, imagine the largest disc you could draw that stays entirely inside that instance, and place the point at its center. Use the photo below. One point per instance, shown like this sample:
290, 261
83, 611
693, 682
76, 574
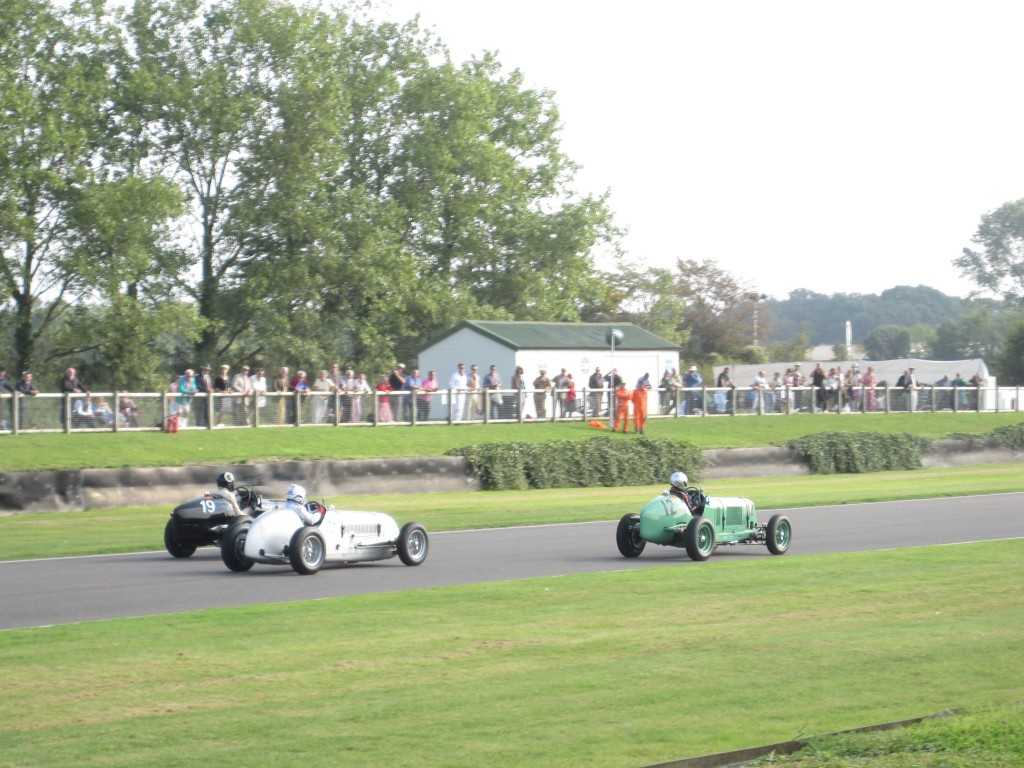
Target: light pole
757, 298
613, 336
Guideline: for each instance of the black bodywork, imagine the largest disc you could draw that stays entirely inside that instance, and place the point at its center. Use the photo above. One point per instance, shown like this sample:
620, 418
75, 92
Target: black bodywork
204, 521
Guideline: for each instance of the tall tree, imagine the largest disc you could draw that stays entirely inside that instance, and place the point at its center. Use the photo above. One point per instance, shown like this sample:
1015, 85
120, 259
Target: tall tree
887, 342
998, 268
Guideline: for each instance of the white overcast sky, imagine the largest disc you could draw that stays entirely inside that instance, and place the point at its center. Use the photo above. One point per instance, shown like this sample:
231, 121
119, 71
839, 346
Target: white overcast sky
837, 147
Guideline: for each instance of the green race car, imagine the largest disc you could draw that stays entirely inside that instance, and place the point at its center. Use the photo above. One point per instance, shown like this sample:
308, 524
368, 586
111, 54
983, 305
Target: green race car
686, 517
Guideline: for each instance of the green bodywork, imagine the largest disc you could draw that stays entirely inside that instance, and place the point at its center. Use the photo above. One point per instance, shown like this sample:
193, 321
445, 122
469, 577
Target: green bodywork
664, 518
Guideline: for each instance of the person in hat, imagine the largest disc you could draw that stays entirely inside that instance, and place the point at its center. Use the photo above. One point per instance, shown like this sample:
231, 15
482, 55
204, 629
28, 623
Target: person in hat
541, 387
692, 380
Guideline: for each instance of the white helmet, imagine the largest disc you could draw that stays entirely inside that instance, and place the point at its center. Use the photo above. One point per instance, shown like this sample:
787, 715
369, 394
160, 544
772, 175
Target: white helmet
295, 493
679, 480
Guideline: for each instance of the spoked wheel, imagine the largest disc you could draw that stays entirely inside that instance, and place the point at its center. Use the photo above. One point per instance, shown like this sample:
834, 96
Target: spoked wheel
176, 549
699, 538
232, 548
627, 536
413, 544
778, 534
307, 551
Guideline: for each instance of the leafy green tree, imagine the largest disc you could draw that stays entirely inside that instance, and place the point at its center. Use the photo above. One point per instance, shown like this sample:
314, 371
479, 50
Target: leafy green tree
720, 316
979, 333
1009, 364
998, 267
651, 299
887, 342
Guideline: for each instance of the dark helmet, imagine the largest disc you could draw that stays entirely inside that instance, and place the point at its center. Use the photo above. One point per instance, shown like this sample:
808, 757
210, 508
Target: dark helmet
226, 480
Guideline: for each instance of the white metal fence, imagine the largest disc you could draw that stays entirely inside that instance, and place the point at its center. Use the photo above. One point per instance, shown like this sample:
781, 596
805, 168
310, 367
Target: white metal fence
122, 411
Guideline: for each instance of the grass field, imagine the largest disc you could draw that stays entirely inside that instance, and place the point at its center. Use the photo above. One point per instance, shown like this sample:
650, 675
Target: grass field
622, 668
616, 669
240, 446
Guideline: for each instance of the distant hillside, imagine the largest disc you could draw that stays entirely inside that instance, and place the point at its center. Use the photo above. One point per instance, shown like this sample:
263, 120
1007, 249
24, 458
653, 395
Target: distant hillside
824, 316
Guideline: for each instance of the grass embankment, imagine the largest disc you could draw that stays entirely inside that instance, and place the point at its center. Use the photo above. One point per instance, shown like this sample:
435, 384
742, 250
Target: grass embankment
615, 669
239, 446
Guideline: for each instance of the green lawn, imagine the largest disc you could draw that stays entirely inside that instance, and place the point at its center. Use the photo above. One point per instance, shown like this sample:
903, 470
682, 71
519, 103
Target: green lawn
616, 669
239, 446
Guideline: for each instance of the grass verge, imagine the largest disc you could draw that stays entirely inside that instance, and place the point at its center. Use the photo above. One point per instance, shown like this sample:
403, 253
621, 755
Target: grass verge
31, 452
623, 668
133, 529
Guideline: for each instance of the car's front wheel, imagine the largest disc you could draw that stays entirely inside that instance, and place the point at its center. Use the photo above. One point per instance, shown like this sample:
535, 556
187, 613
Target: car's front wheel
778, 534
176, 549
699, 538
413, 544
232, 548
627, 536
307, 551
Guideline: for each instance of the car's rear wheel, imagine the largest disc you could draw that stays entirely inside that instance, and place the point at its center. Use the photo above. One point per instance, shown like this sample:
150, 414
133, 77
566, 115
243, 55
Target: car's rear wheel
413, 544
699, 538
307, 551
232, 548
627, 536
176, 549
778, 534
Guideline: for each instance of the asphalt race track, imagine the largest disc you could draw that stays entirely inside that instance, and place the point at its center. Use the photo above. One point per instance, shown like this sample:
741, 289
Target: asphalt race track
75, 589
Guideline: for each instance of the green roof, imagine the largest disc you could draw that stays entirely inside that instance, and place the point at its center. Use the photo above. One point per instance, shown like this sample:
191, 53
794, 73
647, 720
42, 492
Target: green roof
522, 334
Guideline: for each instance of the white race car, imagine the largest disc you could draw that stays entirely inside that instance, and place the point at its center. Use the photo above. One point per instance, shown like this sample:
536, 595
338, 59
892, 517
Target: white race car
306, 535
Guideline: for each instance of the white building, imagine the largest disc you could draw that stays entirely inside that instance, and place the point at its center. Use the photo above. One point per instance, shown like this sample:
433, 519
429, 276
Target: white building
580, 348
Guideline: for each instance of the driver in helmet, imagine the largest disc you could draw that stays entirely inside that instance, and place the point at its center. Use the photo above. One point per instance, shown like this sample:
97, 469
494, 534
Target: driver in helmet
226, 490
309, 512
677, 487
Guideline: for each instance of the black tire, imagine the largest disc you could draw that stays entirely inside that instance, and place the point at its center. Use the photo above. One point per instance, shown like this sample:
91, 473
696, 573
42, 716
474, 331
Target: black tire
778, 534
176, 549
627, 536
699, 538
413, 544
307, 550
232, 548
238, 520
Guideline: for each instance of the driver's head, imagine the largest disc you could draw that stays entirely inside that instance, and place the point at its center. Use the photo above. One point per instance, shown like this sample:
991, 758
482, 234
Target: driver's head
679, 480
295, 493
226, 480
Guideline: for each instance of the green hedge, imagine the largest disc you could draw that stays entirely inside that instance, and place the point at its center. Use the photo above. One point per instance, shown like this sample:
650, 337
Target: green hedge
599, 461
853, 452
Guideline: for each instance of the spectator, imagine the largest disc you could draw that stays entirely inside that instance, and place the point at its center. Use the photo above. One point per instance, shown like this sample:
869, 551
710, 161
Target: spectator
103, 414
475, 401
943, 402
775, 394
851, 385
258, 382
492, 383
413, 384
241, 388
84, 414
724, 393
560, 384
299, 387
831, 389
25, 388
570, 395
182, 405
868, 382
519, 385
383, 404
595, 384
798, 381
322, 387
7, 390
640, 403
757, 388
129, 412
341, 384
430, 386
694, 400
458, 383
69, 385
397, 381
285, 403
222, 386
204, 386
541, 388
356, 390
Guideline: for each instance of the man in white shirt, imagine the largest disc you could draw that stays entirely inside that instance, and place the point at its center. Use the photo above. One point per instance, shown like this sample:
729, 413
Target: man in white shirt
459, 383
